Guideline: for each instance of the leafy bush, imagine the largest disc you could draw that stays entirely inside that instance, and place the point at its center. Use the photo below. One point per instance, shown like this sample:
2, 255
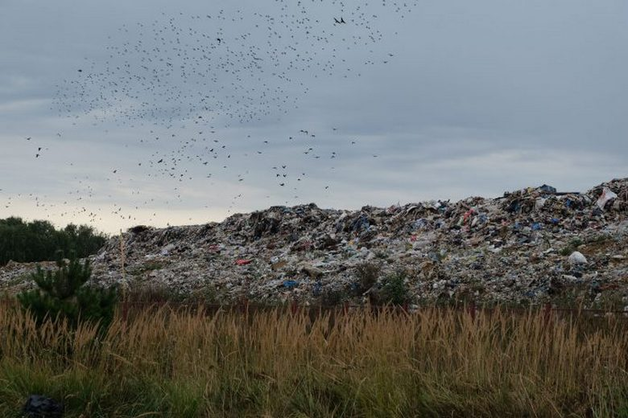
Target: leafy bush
394, 289
63, 293
367, 275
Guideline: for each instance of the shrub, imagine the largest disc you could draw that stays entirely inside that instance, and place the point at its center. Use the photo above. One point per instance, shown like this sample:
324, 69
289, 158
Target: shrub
394, 289
367, 275
63, 293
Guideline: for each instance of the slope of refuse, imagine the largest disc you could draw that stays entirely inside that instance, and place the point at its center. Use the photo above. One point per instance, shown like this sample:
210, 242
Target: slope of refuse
535, 245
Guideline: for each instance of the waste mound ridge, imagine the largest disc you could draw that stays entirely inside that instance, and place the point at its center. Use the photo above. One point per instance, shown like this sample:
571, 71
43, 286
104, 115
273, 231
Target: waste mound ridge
530, 246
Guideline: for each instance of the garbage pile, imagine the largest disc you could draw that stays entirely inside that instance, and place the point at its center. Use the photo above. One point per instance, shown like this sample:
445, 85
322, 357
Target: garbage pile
15, 276
529, 246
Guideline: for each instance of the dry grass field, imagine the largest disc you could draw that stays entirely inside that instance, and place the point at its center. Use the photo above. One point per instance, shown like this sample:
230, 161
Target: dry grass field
432, 363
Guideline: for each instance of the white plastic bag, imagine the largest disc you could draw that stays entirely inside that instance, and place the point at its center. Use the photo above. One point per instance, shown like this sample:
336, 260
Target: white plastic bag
607, 194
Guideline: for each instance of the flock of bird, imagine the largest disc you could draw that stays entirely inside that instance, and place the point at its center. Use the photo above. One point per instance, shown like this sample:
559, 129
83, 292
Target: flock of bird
193, 89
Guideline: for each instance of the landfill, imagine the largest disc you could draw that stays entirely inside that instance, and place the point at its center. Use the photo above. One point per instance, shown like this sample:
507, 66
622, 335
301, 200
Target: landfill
530, 246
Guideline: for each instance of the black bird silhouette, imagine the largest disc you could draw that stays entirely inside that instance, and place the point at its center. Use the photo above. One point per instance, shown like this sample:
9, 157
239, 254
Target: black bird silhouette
171, 61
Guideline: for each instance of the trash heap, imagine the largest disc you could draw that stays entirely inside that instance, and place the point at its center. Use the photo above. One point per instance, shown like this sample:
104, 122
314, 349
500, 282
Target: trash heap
530, 246
15, 276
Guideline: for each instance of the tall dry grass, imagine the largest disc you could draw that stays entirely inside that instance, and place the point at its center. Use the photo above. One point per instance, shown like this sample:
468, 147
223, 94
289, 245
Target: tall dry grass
436, 362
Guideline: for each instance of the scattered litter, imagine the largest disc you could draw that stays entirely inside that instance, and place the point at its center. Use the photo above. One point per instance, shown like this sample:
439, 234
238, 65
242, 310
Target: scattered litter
39, 406
290, 284
577, 258
606, 196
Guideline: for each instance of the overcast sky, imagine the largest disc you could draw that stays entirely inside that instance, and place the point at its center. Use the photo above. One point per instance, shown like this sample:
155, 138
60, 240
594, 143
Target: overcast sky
147, 112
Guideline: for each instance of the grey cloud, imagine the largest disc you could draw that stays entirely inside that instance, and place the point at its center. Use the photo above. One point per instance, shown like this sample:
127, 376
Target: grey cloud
474, 98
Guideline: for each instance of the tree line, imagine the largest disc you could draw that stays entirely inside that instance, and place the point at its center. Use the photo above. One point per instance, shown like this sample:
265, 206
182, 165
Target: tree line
40, 240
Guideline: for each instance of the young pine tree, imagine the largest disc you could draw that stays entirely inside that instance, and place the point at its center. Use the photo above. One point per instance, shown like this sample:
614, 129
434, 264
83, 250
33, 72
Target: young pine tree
63, 294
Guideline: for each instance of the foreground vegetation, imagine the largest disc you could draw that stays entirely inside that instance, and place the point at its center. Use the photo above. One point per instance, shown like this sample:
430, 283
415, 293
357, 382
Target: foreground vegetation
437, 362
39, 240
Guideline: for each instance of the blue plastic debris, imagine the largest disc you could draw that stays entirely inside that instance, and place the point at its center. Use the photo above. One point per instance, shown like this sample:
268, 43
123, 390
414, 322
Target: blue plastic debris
420, 224
317, 288
360, 223
290, 284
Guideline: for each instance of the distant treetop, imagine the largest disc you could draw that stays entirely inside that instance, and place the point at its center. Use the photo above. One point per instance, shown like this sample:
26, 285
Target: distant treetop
39, 240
